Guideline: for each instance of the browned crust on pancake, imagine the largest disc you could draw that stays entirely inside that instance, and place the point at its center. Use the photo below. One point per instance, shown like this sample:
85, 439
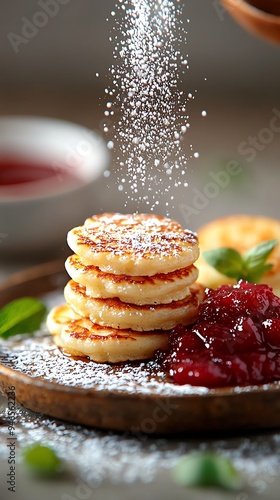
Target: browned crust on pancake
137, 280
142, 235
115, 303
83, 333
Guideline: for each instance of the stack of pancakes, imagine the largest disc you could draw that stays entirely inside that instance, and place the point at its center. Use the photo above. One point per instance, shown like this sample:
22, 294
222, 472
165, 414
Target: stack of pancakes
133, 280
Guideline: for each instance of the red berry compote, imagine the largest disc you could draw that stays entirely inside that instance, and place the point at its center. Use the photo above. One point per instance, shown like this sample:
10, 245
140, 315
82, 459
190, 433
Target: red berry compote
235, 341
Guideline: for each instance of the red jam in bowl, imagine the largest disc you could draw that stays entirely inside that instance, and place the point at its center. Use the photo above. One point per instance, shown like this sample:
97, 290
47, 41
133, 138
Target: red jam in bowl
235, 341
19, 176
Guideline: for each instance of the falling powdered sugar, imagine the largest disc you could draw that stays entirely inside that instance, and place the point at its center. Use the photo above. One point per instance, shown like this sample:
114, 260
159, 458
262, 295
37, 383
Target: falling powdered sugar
150, 108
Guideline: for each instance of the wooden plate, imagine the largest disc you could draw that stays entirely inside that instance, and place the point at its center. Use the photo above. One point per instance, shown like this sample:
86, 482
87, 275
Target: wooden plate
134, 397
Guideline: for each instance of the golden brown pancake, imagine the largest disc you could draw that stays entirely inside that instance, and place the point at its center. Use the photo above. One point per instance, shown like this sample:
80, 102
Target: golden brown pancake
117, 314
134, 244
158, 289
80, 337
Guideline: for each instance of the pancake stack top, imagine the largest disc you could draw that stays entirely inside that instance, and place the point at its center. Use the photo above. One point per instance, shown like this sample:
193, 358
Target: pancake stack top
133, 280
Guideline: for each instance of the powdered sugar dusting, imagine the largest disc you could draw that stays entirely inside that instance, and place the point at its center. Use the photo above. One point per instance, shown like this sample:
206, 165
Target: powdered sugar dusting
134, 234
147, 100
159, 245
97, 456
38, 357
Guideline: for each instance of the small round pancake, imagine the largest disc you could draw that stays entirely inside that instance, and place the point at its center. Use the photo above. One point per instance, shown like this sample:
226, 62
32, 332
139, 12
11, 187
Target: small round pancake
241, 232
80, 337
140, 290
134, 244
120, 315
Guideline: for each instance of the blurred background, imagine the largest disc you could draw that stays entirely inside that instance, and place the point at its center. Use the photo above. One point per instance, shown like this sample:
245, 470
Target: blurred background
236, 76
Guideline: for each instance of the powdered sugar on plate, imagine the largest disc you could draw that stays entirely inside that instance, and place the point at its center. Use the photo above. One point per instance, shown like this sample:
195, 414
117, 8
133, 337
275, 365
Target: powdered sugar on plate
38, 357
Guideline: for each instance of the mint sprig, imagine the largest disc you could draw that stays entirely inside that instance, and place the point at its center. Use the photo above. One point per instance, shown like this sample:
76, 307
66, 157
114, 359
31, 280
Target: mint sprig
42, 461
204, 469
250, 267
20, 316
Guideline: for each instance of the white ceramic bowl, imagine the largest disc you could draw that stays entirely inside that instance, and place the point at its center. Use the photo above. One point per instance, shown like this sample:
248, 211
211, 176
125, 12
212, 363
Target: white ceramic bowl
35, 221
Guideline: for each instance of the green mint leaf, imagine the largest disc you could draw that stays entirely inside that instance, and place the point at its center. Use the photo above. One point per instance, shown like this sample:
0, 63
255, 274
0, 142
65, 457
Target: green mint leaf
256, 274
251, 267
21, 316
256, 256
225, 260
42, 460
207, 469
